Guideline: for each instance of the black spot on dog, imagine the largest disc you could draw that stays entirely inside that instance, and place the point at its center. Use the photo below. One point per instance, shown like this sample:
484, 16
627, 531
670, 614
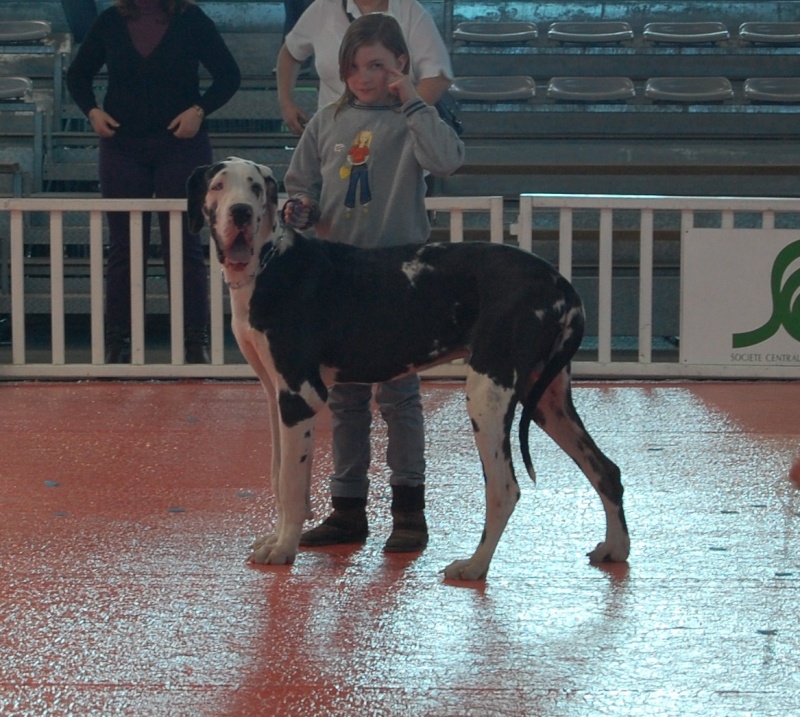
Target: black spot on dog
294, 408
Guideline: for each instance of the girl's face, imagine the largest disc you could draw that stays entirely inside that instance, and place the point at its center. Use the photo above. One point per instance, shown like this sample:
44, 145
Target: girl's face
374, 68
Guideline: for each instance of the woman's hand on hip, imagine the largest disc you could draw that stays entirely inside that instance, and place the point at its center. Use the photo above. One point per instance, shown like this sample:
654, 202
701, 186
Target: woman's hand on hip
187, 124
103, 124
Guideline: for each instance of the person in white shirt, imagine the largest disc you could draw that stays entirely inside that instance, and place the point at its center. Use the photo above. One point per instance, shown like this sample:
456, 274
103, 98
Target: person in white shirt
319, 32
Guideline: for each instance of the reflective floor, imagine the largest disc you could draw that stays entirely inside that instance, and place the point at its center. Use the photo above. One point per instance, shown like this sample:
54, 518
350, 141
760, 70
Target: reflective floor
127, 509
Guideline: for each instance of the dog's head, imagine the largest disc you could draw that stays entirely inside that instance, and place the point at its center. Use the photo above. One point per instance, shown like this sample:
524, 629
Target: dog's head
239, 200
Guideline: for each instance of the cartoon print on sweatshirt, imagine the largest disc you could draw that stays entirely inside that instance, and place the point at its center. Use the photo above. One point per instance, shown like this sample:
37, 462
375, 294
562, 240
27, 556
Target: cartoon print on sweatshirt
357, 172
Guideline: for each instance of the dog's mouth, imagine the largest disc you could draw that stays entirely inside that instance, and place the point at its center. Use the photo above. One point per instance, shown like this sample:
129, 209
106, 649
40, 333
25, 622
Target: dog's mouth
239, 253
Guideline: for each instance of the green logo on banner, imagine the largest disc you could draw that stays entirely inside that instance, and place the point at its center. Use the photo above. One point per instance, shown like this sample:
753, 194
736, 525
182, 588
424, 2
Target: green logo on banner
785, 301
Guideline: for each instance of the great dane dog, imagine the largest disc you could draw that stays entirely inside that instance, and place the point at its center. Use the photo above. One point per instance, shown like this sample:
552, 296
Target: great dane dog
308, 313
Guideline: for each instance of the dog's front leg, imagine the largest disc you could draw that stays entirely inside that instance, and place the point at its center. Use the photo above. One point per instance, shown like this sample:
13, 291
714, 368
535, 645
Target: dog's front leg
253, 345
297, 418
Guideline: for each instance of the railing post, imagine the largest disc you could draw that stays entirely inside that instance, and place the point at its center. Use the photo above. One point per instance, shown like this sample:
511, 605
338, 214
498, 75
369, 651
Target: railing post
176, 286
57, 287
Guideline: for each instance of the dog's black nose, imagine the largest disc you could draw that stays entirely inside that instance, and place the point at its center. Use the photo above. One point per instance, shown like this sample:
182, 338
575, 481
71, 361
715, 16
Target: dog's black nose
241, 214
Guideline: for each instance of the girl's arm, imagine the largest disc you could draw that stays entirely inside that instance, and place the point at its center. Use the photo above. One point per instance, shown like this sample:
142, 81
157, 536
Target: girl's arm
437, 147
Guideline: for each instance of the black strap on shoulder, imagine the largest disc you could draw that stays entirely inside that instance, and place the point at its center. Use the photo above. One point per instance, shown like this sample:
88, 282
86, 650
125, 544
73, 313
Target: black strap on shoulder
349, 14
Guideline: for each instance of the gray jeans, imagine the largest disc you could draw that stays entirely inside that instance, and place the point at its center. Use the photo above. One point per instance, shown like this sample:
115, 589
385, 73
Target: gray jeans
401, 407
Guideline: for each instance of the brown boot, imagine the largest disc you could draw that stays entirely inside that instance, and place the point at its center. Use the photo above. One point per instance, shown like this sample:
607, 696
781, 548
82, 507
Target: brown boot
347, 524
409, 529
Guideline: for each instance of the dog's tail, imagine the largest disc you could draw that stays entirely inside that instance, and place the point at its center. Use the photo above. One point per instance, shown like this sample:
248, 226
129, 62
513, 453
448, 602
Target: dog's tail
564, 348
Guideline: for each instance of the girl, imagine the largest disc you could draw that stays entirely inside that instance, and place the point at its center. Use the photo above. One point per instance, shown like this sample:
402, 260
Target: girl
357, 176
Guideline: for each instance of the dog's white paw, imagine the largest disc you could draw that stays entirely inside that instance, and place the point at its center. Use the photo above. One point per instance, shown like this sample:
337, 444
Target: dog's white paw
466, 570
611, 551
272, 555
267, 540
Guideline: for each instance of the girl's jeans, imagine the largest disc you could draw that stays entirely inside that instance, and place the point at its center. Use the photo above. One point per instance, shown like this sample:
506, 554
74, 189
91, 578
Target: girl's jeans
401, 407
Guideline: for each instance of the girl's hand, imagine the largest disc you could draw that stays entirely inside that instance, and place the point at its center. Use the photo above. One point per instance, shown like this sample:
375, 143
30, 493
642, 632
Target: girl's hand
187, 124
103, 124
400, 85
300, 213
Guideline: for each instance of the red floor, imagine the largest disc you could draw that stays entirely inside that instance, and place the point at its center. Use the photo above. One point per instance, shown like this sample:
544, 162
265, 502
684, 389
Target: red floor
127, 511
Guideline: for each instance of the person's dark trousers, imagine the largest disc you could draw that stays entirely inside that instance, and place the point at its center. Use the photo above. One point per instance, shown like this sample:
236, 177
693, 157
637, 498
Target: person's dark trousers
293, 9
144, 167
80, 15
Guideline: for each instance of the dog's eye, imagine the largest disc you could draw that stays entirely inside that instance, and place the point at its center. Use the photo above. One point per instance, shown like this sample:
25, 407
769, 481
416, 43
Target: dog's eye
216, 187
258, 190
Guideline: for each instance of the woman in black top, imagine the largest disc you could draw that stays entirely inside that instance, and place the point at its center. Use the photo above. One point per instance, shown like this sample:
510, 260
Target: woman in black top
152, 136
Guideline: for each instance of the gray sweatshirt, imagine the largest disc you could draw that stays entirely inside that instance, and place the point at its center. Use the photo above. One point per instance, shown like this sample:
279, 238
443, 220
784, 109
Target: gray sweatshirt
365, 166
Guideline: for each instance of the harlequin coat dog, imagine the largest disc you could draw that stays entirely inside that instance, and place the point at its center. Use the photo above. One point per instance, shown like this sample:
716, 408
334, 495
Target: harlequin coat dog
309, 313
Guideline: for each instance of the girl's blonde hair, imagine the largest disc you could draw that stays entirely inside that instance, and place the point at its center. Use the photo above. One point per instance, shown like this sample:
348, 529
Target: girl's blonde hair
371, 29
127, 8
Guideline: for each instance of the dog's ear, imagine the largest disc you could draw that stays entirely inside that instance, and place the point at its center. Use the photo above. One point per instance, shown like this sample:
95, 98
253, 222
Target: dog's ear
196, 187
272, 191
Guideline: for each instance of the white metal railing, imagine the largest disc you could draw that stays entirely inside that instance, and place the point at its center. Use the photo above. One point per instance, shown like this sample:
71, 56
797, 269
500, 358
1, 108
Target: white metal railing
13, 264
688, 207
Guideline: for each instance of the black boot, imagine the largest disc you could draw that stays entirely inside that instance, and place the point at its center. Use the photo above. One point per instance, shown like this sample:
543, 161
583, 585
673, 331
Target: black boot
409, 529
347, 524
195, 345
118, 346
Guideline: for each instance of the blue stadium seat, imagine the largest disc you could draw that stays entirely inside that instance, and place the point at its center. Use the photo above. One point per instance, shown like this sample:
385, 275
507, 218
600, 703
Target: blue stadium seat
772, 89
591, 89
688, 89
493, 88
23, 30
15, 88
685, 33
496, 32
590, 32
770, 33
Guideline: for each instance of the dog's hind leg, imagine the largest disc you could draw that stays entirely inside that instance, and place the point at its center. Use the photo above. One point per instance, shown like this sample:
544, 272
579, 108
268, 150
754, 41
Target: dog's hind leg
557, 416
491, 409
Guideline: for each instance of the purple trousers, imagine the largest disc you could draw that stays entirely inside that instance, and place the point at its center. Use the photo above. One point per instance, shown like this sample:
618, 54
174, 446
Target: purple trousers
145, 167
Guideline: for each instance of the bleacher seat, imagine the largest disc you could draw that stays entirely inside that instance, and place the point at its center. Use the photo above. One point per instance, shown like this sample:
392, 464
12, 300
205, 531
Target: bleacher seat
590, 32
770, 33
23, 30
591, 89
685, 33
772, 89
15, 88
496, 32
688, 89
494, 88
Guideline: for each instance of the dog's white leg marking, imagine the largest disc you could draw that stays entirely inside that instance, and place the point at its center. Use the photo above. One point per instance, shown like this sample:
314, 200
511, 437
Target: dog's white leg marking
254, 347
297, 416
491, 409
557, 416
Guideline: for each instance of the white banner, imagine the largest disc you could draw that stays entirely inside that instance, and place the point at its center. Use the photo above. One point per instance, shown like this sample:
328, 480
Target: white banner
740, 297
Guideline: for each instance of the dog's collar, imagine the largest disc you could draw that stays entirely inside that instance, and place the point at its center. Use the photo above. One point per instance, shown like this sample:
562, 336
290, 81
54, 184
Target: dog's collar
268, 253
